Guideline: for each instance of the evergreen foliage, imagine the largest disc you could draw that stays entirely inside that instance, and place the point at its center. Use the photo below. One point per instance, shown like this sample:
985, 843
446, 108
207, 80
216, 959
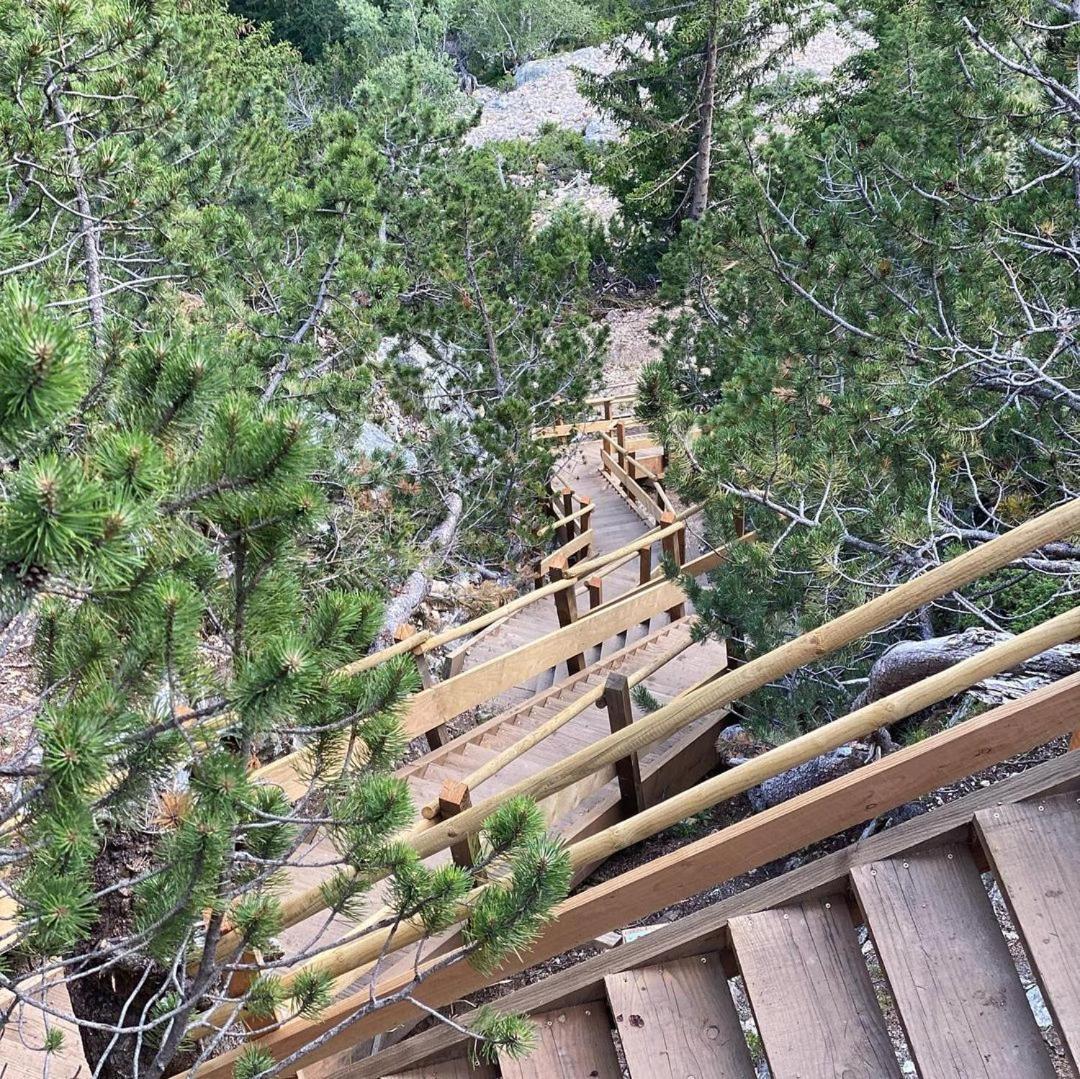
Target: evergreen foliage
201, 250
873, 364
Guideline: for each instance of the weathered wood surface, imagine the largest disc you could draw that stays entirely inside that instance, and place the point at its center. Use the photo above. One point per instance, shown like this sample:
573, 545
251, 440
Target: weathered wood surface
571, 1043
811, 993
707, 928
22, 1039
948, 966
777, 832
678, 1019
1034, 849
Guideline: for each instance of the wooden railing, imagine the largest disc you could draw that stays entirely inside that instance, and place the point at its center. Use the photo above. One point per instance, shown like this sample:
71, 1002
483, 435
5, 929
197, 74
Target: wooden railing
843, 803
601, 413
651, 887
635, 467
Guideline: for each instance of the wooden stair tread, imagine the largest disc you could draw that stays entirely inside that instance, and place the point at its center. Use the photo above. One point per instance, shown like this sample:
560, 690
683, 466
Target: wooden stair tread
805, 961
571, 1043
448, 1069
677, 1019
956, 989
1034, 848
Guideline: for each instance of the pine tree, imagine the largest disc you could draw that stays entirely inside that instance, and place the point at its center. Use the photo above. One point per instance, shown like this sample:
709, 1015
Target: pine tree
173, 451
876, 364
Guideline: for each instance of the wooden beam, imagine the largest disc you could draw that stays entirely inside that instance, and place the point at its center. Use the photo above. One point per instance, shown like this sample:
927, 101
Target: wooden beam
454, 797
703, 930
566, 609
595, 585
807, 648
1012, 728
576, 548
620, 709
445, 700
640, 499
670, 546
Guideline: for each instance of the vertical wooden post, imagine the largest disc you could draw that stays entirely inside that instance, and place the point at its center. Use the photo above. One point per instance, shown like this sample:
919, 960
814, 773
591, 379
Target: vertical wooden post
670, 545
620, 711
585, 523
620, 444
595, 585
566, 608
454, 798
644, 564
607, 410
568, 508
437, 736
739, 521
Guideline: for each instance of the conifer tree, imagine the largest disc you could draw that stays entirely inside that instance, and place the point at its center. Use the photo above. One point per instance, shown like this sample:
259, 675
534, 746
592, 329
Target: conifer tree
170, 461
877, 361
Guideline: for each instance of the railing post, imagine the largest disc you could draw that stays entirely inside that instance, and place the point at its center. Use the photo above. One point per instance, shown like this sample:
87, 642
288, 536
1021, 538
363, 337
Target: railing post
644, 564
454, 798
620, 710
607, 410
585, 523
670, 545
437, 736
595, 585
566, 609
620, 444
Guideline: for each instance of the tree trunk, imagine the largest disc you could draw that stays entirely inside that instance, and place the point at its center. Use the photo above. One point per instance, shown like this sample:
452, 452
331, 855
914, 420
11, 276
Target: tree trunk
703, 163
417, 584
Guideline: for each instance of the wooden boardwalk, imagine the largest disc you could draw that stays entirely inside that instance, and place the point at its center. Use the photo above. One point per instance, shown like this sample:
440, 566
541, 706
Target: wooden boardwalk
819, 1000
615, 524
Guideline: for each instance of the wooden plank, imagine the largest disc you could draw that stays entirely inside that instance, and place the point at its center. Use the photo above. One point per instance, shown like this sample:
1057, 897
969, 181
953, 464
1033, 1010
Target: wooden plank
571, 1043
678, 1019
640, 498
580, 543
620, 711
706, 928
1034, 849
956, 989
804, 960
448, 1069
22, 1037
862, 795
476, 685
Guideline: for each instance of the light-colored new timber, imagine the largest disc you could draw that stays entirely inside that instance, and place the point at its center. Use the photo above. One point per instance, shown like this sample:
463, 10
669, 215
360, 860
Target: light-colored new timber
811, 993
1034, 849
572, 1043
1001, 733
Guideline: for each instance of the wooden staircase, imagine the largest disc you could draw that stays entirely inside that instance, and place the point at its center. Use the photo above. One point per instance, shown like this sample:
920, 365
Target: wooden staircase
615, 523
662, 1007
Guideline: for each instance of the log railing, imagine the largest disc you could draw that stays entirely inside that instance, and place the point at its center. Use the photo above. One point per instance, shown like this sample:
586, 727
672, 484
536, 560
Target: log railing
601, 412
636, 477
977, 743
578, 915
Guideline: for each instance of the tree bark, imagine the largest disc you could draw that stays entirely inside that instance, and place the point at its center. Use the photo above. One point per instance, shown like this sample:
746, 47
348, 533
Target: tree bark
706, 106
417, 584
910, 661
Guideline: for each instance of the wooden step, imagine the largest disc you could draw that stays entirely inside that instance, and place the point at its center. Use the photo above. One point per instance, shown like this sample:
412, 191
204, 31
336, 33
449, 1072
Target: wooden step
1034, 849
956, 989
805, 961
448, 1069
571, 1043
677, 1019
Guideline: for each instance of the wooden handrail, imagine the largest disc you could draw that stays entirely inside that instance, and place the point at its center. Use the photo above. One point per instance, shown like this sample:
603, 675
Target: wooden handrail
807, 648
555, 723
561, 522
888, 710
889, 781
